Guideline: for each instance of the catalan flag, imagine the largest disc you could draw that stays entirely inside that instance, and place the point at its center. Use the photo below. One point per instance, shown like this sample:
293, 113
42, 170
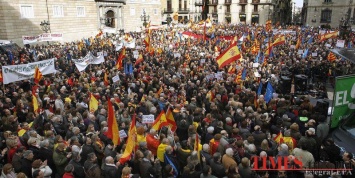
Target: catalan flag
139, 59
231, 69
160, 121
228, 56
331, 57
159, 91
37, 75
113, 132
121, 56
93, 104
131, 142
256, 47
238, 78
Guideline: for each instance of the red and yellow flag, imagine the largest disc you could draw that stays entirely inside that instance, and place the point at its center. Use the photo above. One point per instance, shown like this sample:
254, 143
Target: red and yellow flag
298, 44
279, 40
159, 91
170, 119
160, 121
228, 56
328, 35
106, 82
119, 62
35, 102
331, 57
1, 79
197, 143
268, 26
93, 104
37, 75
139, 59
113, 132
231, 69
238, 79
131, 142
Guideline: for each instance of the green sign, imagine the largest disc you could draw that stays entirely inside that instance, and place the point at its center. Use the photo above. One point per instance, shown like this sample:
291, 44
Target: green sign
344, 98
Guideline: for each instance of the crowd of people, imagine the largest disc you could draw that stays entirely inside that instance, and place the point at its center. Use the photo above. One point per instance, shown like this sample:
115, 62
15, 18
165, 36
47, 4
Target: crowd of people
236, 127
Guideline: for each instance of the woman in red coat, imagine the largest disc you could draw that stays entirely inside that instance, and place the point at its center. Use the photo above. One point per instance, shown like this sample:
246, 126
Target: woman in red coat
68, 171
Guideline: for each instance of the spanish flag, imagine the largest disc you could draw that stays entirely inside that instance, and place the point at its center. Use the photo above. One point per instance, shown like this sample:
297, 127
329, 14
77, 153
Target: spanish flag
279, 41
131, 142
228, 56
37, 75
170, 119
328, 35
210, 96
331, 57
113, 132
120, 59
298, 42
34, 101
139, 59
93, 104
106, 82
160, 121
279, 138
147, 41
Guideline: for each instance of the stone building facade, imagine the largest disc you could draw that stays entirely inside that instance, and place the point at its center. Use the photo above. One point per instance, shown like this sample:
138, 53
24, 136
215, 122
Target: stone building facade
328, 12
75, 19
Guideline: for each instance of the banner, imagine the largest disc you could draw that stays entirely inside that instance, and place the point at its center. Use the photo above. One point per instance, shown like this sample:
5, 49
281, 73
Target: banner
15, 73
344, 98
82, 63
42, 37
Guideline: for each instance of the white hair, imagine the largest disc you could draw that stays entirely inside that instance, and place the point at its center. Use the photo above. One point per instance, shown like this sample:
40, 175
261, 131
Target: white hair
252, 148
206, 147
228, 120
229, 152
210, 129
284, 147
263, 154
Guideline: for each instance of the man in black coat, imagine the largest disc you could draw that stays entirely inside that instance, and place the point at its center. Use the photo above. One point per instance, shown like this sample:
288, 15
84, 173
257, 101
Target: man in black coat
148, 167
46, 154
110, 170
216, 165
78, 166
86, 149
26, 162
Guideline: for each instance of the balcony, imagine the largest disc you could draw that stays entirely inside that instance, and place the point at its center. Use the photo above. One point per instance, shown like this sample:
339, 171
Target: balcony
168, 10
199, 3
214, 12
213, 3
243, 1
255, 2
184, 10
227, 13
227, 2
242, 11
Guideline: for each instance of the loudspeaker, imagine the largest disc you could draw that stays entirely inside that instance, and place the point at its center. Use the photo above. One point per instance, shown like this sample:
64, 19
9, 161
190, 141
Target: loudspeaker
285, 85
322, 107
301, 83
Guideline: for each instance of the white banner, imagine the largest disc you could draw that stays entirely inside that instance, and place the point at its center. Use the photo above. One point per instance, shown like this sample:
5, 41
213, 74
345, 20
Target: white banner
148, 119
82, 63
42, 37
340, 43
129, 44
15, 73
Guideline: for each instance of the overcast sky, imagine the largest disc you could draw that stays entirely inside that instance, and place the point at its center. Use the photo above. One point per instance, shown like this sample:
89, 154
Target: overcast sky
299, 3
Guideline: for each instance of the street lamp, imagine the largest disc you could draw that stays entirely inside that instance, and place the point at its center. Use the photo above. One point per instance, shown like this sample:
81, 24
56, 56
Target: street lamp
45, 26
168, 19
144, 18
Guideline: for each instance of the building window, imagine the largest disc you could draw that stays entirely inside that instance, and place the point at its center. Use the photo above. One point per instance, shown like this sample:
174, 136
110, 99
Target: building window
26, 11
132, 11
58, 11
169, 5
185, 4
326, 16
255, 8
243, 9
80, 11
353, 15
228, 9
180, 4
326, 1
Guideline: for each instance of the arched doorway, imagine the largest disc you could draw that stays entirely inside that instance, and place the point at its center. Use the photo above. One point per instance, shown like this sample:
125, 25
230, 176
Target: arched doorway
110, 19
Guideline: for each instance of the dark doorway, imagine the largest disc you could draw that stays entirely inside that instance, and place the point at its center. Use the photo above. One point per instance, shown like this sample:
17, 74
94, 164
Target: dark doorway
110, 19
